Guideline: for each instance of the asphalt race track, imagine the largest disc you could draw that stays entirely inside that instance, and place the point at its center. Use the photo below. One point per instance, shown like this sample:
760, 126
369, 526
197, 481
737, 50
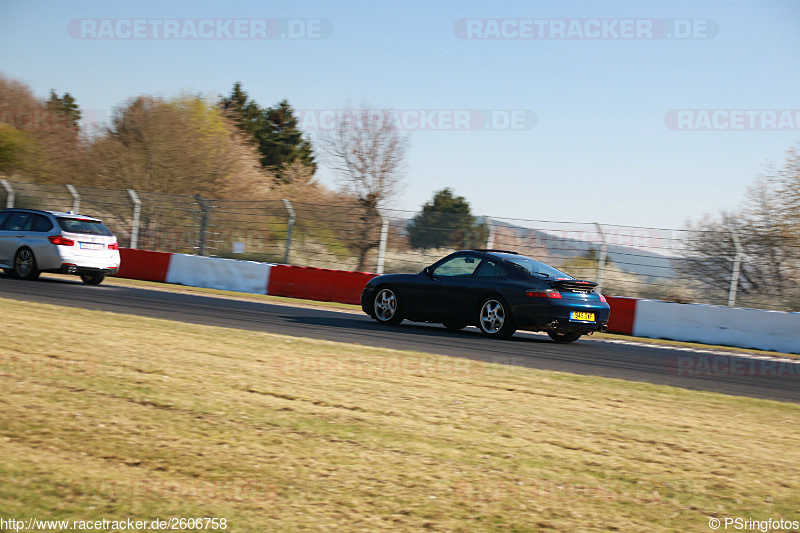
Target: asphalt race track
589, 356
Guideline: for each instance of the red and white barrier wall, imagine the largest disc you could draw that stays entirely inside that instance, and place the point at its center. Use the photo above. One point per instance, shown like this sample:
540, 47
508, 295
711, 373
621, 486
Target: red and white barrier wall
244, 276
707, 324
760, 329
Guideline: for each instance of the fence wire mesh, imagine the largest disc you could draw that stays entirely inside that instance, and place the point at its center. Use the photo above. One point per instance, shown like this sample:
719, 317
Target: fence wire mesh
627, 261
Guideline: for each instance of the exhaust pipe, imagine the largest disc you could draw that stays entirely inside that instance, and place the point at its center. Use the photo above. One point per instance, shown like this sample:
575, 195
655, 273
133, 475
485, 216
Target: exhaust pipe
603, 328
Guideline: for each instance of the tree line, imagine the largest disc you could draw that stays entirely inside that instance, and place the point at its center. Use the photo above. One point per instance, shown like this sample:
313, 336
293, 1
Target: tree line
231, 148
227, 148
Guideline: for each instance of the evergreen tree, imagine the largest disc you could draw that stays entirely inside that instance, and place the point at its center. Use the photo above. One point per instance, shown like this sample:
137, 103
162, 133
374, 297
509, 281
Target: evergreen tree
281, 143
445, 221
273, 131
246, 113
65, 105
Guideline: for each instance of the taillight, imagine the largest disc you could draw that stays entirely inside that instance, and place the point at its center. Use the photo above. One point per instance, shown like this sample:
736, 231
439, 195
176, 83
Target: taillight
602, 298
113, 246
549, 293
61, 241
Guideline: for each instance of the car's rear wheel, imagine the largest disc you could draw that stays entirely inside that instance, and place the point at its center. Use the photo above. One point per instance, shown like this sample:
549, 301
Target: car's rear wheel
564, 336
386, 307
93, 278
494, 318
454, 325
25, 264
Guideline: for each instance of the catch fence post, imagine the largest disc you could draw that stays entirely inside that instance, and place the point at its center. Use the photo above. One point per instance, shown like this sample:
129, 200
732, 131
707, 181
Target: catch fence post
10, 196
137, 212
737, 263
490, 237
76, 198
601, 260
201, 243
382, 244
290, 227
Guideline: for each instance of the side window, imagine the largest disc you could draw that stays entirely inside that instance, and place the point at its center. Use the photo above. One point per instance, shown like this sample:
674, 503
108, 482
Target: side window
491, 270
3, 218
41, 223
463, 265
18, 221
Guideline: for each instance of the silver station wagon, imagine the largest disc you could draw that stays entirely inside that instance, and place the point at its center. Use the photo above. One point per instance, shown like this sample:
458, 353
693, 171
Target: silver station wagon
33, 241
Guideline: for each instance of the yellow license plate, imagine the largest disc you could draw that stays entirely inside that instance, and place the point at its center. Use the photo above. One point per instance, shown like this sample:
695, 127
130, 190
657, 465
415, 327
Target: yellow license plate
583, 317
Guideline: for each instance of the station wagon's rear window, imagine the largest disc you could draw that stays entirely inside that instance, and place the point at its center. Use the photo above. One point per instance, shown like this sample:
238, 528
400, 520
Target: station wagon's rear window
83, 225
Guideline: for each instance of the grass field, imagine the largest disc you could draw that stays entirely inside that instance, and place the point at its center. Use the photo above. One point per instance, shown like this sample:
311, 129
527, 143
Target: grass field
106, 416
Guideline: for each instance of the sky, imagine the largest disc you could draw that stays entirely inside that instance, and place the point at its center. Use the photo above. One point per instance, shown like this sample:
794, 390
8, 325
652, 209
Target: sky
635, 113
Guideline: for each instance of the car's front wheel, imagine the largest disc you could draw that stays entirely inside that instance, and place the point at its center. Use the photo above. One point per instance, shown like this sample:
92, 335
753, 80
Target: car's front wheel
561, 336
494, 318
25, 264
386, 307
93, 278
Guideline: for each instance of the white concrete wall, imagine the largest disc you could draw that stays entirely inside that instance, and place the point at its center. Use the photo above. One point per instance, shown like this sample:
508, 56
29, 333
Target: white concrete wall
709, 324
218, 273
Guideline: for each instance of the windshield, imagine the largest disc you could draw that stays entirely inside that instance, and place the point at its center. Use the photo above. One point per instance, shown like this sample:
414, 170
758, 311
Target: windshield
84, 225
532, 266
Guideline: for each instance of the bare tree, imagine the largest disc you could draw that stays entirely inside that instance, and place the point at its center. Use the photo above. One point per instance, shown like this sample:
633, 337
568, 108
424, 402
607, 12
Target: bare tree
768, 225
367, 151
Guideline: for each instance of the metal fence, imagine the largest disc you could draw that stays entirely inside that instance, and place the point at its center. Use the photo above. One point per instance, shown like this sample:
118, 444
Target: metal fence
626, 261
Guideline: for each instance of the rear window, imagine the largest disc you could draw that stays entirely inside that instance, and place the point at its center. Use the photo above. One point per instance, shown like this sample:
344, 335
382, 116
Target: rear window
83, 225
532, 266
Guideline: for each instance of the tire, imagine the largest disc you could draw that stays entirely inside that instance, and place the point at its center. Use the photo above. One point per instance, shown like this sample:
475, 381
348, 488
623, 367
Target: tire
93, 278
386, 307
454, 326
25, 264
562, 337
494, 318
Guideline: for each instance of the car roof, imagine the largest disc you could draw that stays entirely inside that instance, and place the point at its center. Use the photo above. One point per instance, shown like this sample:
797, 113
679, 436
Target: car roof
492, 251
58, 214
505, 255
501, 254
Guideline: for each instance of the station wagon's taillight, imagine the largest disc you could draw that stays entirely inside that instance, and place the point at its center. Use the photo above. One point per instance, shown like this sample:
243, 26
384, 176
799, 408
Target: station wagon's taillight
113, 246
61, 241
548, 293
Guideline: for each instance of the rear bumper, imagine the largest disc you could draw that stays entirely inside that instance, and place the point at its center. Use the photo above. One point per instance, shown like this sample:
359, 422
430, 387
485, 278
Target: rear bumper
556, 316
67, 268
66, 261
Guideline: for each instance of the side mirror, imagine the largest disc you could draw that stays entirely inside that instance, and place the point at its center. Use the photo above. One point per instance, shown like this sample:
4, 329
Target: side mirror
428, 271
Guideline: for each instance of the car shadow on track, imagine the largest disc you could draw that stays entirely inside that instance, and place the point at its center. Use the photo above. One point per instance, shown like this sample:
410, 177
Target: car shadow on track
408, 328
47, 278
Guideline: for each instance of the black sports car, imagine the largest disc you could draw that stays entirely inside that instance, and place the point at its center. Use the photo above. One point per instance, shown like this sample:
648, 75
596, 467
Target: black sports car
497, 291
